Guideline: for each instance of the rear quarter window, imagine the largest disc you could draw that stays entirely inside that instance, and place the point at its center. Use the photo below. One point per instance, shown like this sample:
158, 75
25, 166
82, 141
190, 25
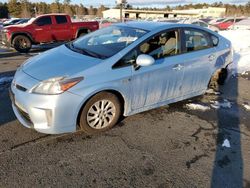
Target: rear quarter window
61, 19
215, 40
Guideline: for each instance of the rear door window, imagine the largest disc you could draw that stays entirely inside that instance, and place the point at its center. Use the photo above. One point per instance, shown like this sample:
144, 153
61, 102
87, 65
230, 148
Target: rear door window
196, 40
61, 19
229, 20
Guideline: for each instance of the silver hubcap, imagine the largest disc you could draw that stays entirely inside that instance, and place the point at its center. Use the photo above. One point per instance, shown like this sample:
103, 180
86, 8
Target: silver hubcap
101, 114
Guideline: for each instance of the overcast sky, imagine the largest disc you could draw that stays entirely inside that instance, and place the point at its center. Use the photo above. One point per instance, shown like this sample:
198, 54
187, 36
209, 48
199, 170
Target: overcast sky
151, 3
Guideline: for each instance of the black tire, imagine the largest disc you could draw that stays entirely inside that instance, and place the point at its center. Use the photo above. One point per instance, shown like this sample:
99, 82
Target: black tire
82, 34
21, 43
218, 79
85, 126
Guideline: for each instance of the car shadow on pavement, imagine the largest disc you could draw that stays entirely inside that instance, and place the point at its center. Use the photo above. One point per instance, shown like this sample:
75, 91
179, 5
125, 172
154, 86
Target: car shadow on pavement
15, 53
228, 162
6, 112
10, 52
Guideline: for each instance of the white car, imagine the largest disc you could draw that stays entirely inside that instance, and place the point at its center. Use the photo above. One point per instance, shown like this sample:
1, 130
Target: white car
243, 25
202, 24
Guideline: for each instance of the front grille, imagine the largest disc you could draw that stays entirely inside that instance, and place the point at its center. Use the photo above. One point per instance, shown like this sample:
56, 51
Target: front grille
24, 115
3, 38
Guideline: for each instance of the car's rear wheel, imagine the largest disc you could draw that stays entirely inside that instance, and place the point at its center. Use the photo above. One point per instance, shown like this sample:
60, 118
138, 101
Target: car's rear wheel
100, 113
218, 79
21, 43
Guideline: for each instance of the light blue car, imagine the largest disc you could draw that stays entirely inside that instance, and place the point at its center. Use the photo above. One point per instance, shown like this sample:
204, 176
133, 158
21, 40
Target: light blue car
123, 69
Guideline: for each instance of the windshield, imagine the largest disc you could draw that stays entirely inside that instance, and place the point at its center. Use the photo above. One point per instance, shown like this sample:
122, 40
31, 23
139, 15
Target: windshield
31, 20
220, 20
106, 42
23, 21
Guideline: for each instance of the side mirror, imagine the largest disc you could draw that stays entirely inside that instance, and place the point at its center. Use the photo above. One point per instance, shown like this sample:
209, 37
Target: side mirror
145, 60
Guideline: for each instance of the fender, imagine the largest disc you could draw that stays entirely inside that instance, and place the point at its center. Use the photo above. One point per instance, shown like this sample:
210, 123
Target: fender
94, 92
22, 33
80, 29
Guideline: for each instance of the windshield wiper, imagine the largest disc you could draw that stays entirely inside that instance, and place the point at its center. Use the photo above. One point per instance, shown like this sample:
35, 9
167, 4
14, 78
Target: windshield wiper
93, 54
84, 51
71, 46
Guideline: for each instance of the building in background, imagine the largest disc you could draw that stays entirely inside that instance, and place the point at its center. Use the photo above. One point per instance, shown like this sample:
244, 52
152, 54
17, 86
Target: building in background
142, 14
214, 12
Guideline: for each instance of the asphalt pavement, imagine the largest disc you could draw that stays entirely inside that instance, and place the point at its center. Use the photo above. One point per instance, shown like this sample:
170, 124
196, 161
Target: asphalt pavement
171, 146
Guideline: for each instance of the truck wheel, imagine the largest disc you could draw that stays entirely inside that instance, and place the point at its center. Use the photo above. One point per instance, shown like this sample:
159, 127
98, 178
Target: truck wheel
82, 34
21, 43
100, 113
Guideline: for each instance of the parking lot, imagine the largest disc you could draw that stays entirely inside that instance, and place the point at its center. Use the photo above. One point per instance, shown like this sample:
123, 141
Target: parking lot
201, 142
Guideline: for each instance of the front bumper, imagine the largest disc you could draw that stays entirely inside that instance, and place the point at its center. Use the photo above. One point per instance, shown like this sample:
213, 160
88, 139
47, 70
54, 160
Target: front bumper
4, 39
50, 114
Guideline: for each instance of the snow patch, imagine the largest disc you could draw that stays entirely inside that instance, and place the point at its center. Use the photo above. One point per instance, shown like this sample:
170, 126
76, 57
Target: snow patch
226, 143
246, 106
224, 104
244, 73
211, 91
192, 106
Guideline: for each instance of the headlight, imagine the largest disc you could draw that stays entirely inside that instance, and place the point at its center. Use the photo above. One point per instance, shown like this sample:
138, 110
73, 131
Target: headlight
5, 30
55, 86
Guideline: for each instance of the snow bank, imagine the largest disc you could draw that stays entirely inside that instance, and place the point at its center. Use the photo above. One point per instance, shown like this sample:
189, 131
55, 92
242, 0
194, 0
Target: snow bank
241, 43
192, 106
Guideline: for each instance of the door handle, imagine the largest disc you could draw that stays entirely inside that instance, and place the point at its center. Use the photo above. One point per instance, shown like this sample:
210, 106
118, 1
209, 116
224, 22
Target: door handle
178, 67
211, 57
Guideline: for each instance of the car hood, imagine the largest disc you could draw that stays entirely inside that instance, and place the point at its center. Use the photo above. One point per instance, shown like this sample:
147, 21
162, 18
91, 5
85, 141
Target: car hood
16, 26
58, 62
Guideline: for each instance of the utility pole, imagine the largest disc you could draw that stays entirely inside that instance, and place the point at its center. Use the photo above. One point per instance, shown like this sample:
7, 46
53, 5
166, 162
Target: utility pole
121, 3
121, 13
35, 11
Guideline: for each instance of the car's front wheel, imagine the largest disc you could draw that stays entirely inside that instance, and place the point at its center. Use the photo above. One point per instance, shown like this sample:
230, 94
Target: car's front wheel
21, 43
100, 113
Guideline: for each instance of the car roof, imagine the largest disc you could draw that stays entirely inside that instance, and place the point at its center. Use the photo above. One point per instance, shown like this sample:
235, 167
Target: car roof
158, 26
147, 25
52, 14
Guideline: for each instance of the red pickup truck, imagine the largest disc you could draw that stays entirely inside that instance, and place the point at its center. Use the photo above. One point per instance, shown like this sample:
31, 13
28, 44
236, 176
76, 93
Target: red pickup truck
46, 28
225, 24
